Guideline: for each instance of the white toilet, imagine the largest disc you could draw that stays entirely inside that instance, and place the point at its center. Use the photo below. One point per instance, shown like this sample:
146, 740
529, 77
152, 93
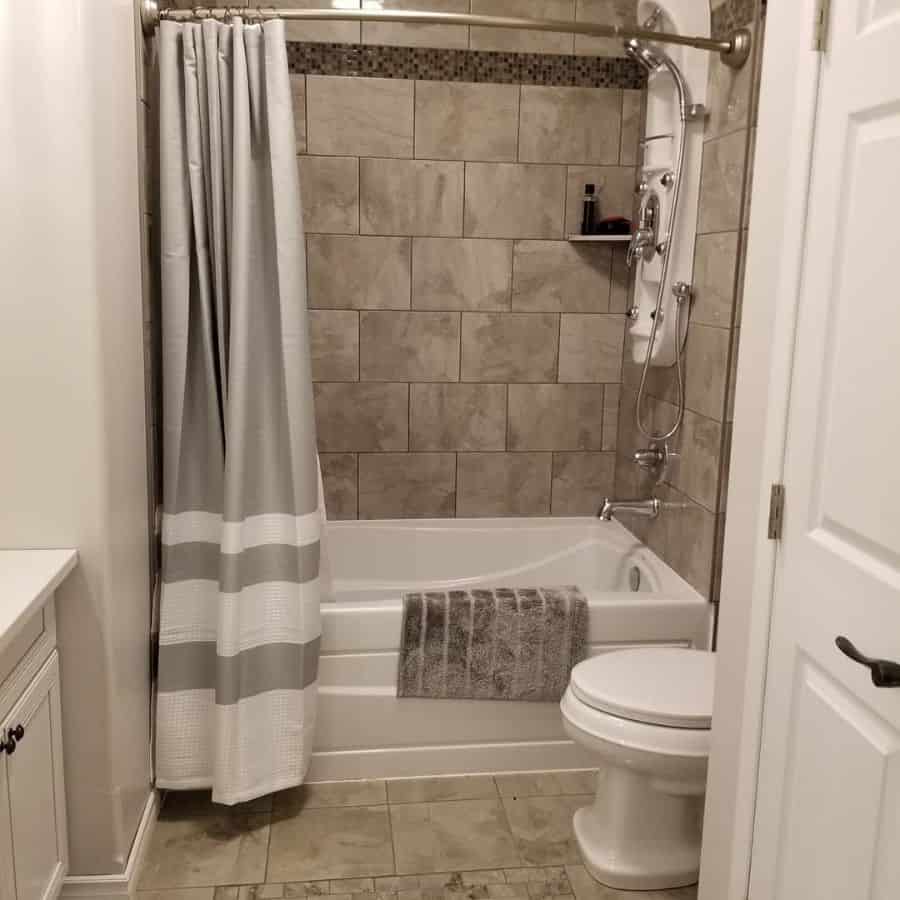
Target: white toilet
646, 713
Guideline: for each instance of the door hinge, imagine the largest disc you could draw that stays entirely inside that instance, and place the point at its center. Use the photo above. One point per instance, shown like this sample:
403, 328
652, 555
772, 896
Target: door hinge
776, 512
820, 26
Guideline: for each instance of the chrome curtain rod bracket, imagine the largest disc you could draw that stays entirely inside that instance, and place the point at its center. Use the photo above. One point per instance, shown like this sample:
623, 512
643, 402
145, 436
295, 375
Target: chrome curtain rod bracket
734, 51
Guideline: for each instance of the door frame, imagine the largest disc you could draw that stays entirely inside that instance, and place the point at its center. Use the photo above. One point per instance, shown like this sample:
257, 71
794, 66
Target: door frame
779, 198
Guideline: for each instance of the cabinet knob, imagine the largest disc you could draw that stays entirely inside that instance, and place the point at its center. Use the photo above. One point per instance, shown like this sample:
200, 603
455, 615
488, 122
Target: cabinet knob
13, 735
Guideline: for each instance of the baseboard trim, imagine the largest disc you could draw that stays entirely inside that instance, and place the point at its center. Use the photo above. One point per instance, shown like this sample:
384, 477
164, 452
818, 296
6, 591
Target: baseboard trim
452, 759
122, 886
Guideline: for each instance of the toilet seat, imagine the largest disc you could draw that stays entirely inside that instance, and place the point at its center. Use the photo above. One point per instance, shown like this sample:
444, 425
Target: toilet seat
666, 687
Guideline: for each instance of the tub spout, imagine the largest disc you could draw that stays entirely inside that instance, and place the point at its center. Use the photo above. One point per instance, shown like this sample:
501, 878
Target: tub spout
647, 508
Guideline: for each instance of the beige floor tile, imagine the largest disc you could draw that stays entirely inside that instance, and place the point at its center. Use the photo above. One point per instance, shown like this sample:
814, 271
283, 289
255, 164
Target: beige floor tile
334, 793
208, 850
429, 790
542, 827
201, 893
587, 888
454, 836
190, 804
545, 784
349, 842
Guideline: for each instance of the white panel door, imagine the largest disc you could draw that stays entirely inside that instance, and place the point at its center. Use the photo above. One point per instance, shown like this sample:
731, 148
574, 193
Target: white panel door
828, 806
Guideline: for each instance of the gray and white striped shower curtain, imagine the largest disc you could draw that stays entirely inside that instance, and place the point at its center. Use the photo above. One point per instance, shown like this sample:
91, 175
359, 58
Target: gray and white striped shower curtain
239, 615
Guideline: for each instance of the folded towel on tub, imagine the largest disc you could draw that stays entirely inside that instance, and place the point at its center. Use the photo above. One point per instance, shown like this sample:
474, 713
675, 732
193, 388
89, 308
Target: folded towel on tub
491, 644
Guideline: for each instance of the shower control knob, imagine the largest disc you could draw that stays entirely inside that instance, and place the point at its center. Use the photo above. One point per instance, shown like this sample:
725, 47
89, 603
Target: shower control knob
681, 290
633, 312
642, 187
667, 180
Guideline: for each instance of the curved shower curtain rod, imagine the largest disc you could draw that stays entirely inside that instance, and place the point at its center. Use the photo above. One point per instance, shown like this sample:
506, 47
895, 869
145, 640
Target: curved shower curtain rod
733, 50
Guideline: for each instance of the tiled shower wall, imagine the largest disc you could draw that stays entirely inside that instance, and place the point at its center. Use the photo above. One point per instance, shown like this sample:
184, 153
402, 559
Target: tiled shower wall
689, 538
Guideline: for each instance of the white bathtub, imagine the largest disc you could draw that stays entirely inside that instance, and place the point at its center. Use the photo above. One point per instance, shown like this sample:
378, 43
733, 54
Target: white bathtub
364, 731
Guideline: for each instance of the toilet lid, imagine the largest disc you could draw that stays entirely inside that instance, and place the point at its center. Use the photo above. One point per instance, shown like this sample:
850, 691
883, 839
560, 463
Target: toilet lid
657, 685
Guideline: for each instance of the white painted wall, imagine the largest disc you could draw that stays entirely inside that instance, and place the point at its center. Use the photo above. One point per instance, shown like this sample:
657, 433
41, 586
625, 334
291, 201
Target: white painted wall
72, 453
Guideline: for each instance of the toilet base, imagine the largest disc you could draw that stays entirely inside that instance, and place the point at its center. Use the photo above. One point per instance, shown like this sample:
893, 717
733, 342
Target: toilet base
636, 837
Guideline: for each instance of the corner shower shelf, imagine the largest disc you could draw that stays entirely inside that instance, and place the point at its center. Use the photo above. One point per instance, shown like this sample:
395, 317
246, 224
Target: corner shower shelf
598, 238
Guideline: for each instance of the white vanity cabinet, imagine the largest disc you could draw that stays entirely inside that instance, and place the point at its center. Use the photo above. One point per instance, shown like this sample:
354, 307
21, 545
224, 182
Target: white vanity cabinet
33, 845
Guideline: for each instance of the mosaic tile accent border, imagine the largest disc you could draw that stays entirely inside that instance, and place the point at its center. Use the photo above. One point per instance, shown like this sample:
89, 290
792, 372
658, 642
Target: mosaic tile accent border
733, 14
432, 64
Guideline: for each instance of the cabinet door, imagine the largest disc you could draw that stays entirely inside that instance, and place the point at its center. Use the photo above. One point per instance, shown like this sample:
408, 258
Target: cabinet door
32, 804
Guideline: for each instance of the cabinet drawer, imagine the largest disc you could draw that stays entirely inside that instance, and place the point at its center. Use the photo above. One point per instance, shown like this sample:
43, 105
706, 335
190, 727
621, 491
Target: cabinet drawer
33, 850
22, 659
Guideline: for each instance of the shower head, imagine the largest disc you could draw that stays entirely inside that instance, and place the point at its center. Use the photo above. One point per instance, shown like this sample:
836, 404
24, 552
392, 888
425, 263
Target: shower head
641, 53
653, 59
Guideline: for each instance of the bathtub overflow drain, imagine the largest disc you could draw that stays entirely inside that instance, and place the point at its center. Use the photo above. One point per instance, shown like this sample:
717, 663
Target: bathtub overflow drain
634, 578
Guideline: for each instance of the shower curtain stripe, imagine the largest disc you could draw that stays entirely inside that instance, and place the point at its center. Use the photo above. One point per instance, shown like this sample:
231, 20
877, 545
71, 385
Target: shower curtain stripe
242, 525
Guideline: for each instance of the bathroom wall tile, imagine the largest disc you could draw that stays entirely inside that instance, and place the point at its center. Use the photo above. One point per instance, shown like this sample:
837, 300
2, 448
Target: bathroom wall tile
298, 98
503, 484
514, 201
611, 416
339, 476
505, 347
721, 182
457, 120
555, 417
404, 35
581, 481
457, 417
603, 12
621, 287
632, 127
334, 344
557, 276
732, 374
359, 116
461, 273
407, 485
590, 347
728, 99
352, 417
429, 790
725, 466
416, 197
715, 261
706, 370
516, 39
409, 346
351, 272
542, 827
329, 188
748, 178
698, 443
570, 125
615, 189
322, 32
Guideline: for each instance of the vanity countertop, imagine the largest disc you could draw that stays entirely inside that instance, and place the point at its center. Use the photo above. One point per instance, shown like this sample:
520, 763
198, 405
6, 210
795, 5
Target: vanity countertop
27, 578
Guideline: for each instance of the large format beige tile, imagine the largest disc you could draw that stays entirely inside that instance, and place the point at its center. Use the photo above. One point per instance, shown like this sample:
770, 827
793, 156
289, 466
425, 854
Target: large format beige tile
728, 99
198, 893
191, 804
406, 35
581, 481
322, 32
556, 417
358, 271
504, 347
334, 344
359, 116
409, 346
615, 190
370, 792
457, 835
461, 273
721, 183
353, 417
428, 790
546, 784
503, 484
590, 347
542, 827
516, 39
298, 98
515, 201
329, 188
340, 478
457, 120
558, 276
345, 842
208, 850
407, 485
706, 370
603, 12
586, 887
632, 127
415, 197
699, 447
573, 125
713, 288
457, 417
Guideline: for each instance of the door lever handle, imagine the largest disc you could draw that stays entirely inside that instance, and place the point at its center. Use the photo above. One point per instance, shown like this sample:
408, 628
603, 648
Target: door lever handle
884, 672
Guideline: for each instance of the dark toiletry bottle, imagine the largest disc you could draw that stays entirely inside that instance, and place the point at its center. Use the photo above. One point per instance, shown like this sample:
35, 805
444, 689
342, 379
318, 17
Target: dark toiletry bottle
589, 215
